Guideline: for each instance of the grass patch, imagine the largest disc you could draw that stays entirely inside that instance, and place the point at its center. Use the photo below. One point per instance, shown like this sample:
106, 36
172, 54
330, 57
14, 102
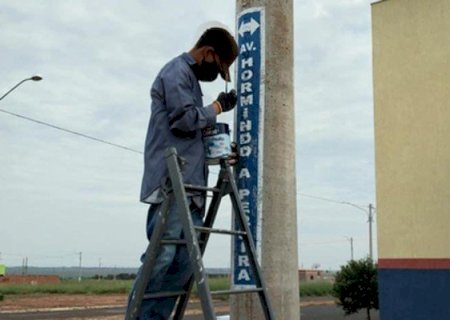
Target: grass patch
307, 289
90, 287
217, 284
316, 289
69, 287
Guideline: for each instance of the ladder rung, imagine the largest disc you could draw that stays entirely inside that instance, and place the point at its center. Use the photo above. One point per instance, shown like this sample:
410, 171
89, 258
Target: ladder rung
164, 294
223, 231
236, 291
200, 188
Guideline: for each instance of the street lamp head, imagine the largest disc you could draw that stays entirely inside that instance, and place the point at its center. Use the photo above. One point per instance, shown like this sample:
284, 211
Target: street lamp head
36, 77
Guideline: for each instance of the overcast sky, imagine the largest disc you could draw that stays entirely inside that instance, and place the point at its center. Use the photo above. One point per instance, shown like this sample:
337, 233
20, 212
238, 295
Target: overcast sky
62, 194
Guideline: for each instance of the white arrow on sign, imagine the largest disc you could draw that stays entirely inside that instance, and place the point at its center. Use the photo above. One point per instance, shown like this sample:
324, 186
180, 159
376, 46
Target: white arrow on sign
250, 26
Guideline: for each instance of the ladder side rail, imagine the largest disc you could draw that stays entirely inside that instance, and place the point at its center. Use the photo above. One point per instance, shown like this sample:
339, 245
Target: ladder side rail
190, 234
149, 261
204, 237
250, 247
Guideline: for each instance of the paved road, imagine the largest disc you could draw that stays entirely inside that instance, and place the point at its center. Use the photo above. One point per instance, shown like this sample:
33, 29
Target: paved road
332, 312
315, 312
320, 312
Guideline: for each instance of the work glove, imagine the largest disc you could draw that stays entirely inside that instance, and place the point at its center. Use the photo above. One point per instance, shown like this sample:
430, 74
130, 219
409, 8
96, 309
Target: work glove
227, 100
233, 158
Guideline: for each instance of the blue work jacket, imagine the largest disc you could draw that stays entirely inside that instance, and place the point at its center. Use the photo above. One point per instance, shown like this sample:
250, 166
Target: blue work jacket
177, 117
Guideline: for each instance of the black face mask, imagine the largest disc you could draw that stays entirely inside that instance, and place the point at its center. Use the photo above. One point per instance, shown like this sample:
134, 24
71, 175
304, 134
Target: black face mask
207, 71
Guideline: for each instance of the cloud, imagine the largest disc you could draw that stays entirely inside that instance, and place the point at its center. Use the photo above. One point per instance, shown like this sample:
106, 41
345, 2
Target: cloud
62, 194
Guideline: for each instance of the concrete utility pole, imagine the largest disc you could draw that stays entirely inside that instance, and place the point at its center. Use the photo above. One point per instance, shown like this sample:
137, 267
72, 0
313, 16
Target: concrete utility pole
351, 247
25, 266
370, 231
277, 226
370, 220
80, 267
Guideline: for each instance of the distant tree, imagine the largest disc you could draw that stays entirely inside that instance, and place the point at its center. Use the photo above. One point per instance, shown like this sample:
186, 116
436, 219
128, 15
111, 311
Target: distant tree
356, 286
119, 276
126, 276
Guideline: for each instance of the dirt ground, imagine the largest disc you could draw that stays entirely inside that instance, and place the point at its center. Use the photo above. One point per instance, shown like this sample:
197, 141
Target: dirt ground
51, 301
61, 302
64, 302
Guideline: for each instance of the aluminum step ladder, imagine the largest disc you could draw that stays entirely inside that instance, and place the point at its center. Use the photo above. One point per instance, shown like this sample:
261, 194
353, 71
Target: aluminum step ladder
196, 239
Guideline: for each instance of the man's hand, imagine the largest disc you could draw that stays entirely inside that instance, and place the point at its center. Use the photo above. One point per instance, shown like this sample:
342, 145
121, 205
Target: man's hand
233, 158
228, 100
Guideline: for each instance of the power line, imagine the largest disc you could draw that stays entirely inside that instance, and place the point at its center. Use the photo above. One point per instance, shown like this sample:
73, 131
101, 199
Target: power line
320, 198
128, 148
334, 201
369, 213
322, 242
71, 131
78, 133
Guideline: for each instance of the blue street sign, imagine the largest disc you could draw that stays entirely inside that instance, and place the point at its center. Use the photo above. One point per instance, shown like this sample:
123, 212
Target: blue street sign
249, 117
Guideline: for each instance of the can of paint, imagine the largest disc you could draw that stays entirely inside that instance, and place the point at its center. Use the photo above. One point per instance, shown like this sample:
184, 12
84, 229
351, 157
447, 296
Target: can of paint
217, 142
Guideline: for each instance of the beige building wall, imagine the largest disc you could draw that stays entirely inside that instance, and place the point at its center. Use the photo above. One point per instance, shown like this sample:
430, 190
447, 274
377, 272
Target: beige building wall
411, 53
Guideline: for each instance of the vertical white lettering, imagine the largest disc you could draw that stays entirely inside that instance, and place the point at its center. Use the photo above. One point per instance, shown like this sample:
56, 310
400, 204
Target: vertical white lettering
245, 138
244, 192
250, 46
246, 100
244, 173
242, 247
245, 151
245, 113
246, 75
245, 125
247, 62
246, 207
243, 275
246, 87
243, 261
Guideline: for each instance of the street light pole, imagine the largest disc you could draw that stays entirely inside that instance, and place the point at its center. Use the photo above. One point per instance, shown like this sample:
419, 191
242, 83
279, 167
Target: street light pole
80, 268
370, 231
369, 213
370, 220
34, 78
351, 247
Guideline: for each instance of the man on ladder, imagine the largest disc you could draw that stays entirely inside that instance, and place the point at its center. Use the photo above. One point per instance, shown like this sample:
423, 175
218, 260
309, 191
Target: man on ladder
177, 117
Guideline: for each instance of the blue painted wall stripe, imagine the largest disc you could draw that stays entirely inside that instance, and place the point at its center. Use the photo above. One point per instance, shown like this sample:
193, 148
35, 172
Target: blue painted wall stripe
413, 294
